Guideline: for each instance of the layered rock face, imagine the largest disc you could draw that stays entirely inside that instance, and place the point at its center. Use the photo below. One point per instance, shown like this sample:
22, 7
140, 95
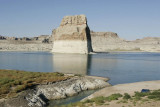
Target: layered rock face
39, 43
105, 41
72, 36
109, 41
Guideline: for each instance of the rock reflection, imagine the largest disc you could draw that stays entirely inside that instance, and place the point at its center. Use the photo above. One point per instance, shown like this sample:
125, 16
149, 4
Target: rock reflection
71, 63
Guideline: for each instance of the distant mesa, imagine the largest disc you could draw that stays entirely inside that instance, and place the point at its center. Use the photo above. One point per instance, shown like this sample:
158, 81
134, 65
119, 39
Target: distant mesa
2, 37
72, 36
104, 34
37, 39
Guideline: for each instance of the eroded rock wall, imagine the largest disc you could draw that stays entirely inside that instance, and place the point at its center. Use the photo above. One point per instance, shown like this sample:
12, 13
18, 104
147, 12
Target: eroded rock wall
72, 36
39, 43
105, 41
109, 41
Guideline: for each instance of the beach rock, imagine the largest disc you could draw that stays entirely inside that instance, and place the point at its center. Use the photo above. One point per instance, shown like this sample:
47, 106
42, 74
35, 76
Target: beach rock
70, 87
25, 99
40, 95
72, 36
36, 99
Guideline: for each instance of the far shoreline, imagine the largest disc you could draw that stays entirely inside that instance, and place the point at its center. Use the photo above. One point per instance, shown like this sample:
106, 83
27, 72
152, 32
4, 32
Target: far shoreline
95, 52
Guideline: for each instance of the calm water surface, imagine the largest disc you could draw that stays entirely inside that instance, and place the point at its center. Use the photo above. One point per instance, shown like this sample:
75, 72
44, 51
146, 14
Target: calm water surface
120, 67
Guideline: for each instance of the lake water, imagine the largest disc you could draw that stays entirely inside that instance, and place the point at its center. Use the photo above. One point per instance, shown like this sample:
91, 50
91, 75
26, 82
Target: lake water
120, 67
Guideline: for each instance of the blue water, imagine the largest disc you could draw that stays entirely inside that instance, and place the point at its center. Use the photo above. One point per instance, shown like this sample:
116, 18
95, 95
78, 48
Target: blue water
120, 67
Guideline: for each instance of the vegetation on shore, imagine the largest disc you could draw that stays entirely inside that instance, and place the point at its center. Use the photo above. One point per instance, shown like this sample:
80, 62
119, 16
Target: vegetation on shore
14, 81
140, 97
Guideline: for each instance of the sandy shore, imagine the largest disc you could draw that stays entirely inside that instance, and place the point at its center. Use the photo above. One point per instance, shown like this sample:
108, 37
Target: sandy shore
130, 104
129, 88
126, 88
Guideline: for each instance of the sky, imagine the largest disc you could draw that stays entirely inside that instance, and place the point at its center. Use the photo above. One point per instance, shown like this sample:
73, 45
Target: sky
130, 19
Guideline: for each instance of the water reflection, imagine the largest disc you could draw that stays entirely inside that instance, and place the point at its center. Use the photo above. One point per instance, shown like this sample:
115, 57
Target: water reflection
119, 67
72, 63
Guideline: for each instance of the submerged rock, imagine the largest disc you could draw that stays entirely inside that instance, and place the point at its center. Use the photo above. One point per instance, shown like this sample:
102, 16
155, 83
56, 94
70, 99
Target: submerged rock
72, 36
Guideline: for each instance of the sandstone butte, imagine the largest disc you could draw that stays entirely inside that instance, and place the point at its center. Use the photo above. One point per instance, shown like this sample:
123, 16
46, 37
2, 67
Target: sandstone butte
72, 36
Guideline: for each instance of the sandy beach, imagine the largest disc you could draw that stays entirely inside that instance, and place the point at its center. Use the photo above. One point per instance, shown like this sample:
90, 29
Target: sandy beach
129, 88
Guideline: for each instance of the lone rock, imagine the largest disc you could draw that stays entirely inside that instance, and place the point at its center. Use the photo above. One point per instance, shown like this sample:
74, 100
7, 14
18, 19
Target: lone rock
72, 36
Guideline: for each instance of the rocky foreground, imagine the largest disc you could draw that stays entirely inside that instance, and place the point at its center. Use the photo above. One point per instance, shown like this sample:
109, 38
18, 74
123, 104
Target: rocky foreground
133, 98
129, 88
139, 94
39, 96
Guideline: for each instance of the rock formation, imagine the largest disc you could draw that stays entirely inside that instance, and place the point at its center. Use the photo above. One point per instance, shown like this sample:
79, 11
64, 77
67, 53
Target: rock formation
37, 39
39, 43
71, 87
72, 36
105, 41
101, 42
109, 41
41, 94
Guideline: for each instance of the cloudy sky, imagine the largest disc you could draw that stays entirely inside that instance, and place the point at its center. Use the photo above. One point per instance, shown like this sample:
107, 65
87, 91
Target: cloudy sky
131, 19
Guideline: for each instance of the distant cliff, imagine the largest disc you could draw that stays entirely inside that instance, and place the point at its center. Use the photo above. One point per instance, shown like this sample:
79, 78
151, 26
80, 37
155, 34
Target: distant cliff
39, 43
109, 41
38, 39
74, 36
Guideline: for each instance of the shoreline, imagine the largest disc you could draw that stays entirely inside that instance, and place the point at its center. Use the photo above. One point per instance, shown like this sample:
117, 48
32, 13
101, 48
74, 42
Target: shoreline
123, 95
80, 53
39, 95
73, 86
23, 51
129, 88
